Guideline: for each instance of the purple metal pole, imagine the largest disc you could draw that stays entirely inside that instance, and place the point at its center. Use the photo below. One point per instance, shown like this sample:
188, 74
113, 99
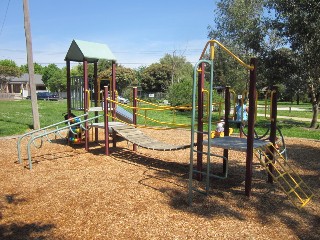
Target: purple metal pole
200, 122
134, 105
68, 89
85, 104
113, 90
96, 94
226, 125
113, 97
106, 120
251, 117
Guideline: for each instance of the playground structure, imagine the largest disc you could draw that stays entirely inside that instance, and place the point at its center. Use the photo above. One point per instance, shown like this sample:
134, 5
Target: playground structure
84, 94
265, 150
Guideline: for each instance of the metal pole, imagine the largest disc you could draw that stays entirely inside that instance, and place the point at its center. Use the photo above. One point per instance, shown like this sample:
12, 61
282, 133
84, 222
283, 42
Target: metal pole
96, 95
106, 120
68, 88
273, 128
85, 104
251, 118
134, 105
200, 121
226, 126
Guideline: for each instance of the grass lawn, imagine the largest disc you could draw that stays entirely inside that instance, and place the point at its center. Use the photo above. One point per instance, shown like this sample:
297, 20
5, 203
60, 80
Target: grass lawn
16, 118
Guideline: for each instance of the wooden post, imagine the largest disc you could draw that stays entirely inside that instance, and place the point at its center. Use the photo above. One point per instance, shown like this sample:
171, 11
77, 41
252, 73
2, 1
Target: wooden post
34, 102
251, 118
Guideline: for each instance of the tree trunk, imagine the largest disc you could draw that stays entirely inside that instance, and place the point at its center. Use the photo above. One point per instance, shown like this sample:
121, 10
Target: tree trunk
315, 106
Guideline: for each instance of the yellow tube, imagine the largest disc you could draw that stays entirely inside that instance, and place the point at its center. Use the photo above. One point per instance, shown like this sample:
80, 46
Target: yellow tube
212, 42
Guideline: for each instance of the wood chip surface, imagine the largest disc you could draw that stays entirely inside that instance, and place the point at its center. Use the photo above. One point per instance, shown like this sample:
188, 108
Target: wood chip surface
74, 194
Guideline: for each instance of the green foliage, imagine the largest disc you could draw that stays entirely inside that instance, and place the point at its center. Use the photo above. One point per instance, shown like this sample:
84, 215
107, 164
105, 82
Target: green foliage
124, 77
180, 93
156, 78
181, 69
38, 69
54, 78
239, 23
298, 22
159, 76
8, 68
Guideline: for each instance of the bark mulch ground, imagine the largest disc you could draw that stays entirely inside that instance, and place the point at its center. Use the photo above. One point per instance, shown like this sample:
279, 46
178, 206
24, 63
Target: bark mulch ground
74, 194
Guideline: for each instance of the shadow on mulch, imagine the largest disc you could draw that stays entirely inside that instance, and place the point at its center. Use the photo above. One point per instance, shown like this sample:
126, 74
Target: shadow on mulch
20, 230
23, 231
227, 196
131, 157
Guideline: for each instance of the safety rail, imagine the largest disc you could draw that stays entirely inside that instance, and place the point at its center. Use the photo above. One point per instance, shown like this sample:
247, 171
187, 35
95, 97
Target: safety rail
39, 130
155, 108
69, 126
212, 42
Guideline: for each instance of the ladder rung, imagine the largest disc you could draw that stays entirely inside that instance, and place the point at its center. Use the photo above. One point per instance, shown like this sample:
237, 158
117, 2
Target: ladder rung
295, 187
280, 176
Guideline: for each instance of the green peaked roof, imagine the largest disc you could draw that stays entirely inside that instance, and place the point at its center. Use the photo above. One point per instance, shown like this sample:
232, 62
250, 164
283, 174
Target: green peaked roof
82, 50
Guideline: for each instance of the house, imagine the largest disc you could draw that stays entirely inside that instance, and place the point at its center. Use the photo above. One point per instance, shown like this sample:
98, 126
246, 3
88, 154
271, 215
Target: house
20, 85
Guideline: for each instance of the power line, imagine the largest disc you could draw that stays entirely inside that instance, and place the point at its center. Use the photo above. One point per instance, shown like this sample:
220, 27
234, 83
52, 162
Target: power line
5, 17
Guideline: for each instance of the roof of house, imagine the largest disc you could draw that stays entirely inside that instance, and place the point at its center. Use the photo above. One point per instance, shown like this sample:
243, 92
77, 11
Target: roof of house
25, 78
92, 52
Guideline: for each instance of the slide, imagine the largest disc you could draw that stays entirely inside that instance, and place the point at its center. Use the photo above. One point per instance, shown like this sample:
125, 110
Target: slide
124, 115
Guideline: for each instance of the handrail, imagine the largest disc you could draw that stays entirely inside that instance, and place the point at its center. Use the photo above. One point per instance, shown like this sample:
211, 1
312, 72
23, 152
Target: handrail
53, 131
38, 130
212, 42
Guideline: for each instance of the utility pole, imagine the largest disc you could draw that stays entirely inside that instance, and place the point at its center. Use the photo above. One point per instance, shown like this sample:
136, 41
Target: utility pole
32, 85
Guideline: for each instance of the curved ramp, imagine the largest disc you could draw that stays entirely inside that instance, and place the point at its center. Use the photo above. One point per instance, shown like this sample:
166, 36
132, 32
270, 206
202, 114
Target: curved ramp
137, 137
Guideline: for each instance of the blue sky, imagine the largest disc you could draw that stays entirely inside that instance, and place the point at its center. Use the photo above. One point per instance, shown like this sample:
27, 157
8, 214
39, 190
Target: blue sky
138, 32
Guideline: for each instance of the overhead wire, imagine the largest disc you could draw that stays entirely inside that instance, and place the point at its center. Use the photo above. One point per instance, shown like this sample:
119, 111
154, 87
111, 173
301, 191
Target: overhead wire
5, 17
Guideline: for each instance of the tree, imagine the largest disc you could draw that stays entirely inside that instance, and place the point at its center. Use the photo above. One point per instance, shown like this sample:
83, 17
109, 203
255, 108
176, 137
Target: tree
298, 22
180, 67
239, 24
239, 27
37, 68
8, 70
180, 93
280, 67
156, 78
54, 78
124, 77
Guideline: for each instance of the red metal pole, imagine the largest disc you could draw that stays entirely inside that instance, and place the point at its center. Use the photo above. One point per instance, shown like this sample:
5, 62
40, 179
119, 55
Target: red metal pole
113, 90
106, 120
113, 97
251, 118
96, 94
200, 121
134, 105
226, 125
68, 89
86, 105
